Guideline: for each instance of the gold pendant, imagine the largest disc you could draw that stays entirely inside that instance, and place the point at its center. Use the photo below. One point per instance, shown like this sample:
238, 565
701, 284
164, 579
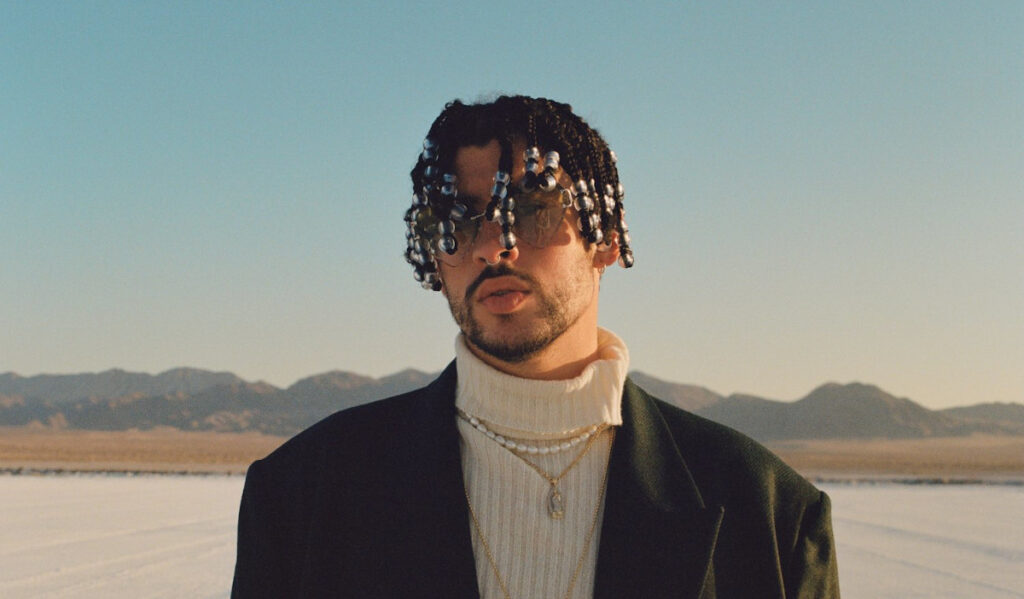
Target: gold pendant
556, 505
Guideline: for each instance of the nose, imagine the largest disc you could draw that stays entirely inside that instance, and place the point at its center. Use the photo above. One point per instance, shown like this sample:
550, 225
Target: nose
488, 248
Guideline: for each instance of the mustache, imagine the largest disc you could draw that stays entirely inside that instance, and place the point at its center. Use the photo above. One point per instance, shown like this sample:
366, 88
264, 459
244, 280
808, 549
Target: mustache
498, 270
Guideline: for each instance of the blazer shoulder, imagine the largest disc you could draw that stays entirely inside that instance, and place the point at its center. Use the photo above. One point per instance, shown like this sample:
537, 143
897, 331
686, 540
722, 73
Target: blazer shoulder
364, 426
723, 460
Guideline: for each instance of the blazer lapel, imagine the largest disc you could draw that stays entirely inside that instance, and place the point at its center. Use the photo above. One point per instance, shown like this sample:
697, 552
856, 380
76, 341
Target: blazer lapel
444, 541
420, 500
657, 536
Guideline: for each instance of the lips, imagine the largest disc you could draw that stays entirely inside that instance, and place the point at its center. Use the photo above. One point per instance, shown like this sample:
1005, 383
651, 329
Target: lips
502, 295
500, 286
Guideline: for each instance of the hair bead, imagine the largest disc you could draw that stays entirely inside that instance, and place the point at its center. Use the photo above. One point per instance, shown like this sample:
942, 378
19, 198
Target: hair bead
584, 203
429, 150
492, 212
448, 244
431, 282
507, 240
626, 259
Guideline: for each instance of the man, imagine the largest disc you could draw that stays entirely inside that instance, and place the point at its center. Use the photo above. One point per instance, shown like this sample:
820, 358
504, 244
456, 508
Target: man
532, 467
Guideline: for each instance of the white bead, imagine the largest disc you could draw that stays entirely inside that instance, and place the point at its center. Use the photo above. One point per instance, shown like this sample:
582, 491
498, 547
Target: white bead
559, 446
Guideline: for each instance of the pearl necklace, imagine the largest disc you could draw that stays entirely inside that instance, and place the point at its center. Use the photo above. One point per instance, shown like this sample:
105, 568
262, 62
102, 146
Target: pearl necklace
520, 447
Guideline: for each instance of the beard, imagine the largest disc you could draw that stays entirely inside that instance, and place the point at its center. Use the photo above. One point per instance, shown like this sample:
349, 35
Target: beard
557, 309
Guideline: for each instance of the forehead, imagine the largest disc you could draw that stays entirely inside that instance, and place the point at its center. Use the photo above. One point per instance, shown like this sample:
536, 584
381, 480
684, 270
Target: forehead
475, 167
477, 162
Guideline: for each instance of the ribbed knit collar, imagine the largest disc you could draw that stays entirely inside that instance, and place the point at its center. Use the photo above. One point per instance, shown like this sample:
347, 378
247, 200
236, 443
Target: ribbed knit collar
536, 409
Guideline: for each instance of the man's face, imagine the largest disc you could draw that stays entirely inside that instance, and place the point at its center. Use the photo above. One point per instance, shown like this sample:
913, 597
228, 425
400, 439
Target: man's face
513, 305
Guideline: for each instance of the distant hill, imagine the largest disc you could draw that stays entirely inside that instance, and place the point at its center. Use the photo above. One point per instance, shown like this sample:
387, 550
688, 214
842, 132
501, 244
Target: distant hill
192, 399
835, 411
999, 412
62, 388
688, 397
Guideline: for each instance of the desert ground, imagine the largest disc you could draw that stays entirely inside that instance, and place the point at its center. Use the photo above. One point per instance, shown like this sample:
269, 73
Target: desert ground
976, 458
973, 458
159, 450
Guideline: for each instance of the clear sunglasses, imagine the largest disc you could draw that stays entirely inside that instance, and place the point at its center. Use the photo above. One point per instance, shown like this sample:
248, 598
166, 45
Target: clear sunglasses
538, 214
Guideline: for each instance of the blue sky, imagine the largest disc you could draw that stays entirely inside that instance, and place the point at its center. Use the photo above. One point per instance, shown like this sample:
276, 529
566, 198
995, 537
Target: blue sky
816, 191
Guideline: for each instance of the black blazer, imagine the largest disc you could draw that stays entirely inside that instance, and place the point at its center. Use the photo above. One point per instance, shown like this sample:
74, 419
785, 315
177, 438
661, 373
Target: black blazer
369, 503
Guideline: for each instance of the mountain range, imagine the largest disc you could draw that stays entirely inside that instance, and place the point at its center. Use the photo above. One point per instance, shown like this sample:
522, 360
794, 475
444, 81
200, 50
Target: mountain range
194, 399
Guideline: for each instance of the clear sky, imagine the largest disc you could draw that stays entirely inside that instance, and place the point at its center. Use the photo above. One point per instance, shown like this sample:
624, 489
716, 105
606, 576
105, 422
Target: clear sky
816, 191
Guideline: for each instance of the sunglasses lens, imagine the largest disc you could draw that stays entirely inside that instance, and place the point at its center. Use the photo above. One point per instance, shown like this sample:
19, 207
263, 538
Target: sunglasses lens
538, 216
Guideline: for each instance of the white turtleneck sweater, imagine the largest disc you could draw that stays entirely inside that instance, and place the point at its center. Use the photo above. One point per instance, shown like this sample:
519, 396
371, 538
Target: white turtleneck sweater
536, 555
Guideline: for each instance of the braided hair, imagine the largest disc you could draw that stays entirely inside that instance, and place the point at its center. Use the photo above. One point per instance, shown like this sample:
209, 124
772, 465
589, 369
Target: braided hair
570, 144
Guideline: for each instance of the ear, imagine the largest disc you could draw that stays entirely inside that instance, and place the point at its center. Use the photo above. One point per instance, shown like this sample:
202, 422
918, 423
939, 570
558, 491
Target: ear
607, 252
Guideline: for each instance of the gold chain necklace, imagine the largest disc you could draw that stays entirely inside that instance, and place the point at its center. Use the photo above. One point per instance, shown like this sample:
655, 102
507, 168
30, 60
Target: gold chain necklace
556, 503
586, 543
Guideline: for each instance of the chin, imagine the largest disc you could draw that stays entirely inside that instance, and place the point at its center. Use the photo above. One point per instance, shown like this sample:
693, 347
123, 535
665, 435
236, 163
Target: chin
513, 349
